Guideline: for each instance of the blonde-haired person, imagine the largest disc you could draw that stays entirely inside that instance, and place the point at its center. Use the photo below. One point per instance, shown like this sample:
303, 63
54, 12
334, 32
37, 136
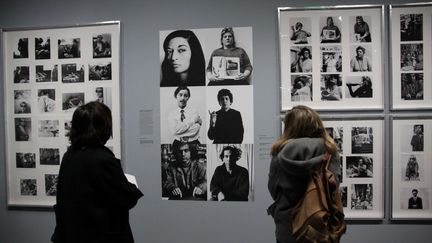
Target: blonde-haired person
295, 155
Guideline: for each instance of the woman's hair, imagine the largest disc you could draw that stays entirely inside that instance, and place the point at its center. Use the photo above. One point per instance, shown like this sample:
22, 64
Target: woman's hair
361, 48
360, 18
303, 122
225, 92
302, 51
235, 153
196, 71
228, 30
91, 124
367, 80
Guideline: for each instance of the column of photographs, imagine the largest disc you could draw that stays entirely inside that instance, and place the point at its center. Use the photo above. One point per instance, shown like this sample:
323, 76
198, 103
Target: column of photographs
412, 183
411, 50
331, 59
206, 111
361, 148
48, 73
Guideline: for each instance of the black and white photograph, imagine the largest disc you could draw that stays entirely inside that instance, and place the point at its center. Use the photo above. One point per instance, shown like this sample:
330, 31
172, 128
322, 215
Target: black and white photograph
300, 30
362, 197
301, 89
336, 133
103, 95
46, 73
69, 48
72, 73
48, 128
358, 87
411, 27
46, 100
102, 45
415, 198
360, 31
100, 71
229, 171
25, 160
362, 139
23, 129
28, 187
412, 167
411, 57
359, 166
412, 86
344, 196
49, 156
181, 161
67, 126
21, 74
330, 29
331, 59
51, 184
331, 87
301, 59
70, 101
42, 48
21, 49
413, 138
22, 101
361, 58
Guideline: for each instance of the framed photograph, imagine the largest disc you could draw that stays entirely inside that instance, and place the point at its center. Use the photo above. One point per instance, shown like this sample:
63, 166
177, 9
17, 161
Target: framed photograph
360, 145
411, 168
343, 44
411, 55
49, 72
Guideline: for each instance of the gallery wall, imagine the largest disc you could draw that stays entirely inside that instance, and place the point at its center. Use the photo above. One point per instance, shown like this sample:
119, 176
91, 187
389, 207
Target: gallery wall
154, 220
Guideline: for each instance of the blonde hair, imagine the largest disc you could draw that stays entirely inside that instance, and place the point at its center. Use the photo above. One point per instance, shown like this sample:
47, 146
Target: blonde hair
300, 122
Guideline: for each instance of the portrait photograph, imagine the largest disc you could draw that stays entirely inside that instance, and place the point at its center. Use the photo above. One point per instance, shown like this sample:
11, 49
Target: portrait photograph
358, 87
72, 73
21, 74
51, 184
22, 101
412, 86
28, 187
330, 29
102, 45
411, 57
362, 197
42, 48
69, 48
411, 27
46, 73
300, 30
48, 128
103, 95
415, 198
21, 49
359, 166
413, 138
412, 167
336, 133
331, 87
70, 101
361, 58
362, 140
180, 162
100, 71
301, 59
49, 156
301, 88
230, 168
25, 160
360, 31
331, 59
23, 129
46, 101
67, 126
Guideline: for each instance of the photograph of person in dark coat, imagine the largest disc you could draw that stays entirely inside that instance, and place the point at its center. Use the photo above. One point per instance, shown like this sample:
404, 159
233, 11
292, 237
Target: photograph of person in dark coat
93, 194
230, 182
415, 202
226, 125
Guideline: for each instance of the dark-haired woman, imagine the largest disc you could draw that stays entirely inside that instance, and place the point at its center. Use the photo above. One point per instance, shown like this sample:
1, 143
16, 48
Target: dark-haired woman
93, 194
